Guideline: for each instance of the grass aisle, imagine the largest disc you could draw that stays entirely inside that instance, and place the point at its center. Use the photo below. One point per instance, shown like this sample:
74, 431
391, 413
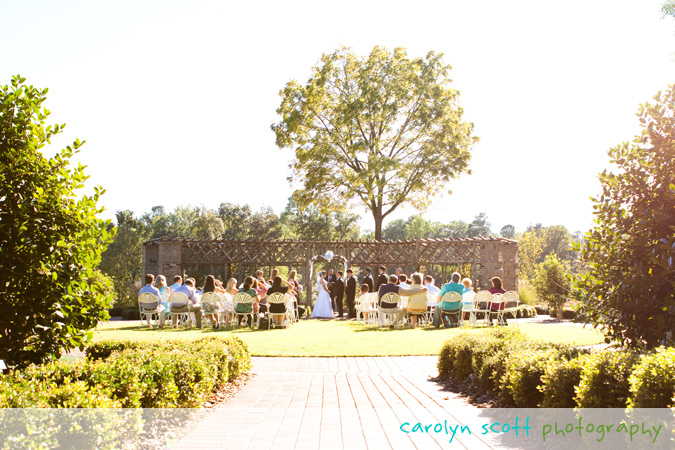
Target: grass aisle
341, 338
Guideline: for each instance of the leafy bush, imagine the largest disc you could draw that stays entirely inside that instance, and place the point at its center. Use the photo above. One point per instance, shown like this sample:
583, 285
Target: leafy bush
131, 375
542, 310
51, 238
526, 293
604, 380
559, 381
525, 367
553, 282
652, 384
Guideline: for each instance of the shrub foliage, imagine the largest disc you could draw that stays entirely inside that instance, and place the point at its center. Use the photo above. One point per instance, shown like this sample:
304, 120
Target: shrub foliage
51, 240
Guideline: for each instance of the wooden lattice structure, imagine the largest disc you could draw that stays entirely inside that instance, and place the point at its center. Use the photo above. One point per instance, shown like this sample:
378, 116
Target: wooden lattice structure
477, 258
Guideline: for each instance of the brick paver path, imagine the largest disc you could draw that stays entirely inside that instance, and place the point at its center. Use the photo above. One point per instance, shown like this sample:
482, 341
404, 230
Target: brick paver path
336, 403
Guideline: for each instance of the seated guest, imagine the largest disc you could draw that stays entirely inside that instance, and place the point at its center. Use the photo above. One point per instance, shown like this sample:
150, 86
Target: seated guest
392, 308
277, 308
231, 287
453, 286
150, 289
210, 285
248, 308
160, 283
261, 292
431, 289
416, 308
193, 306
364, 289
467, 285
177, 282
496, 289
402, 280
296, 292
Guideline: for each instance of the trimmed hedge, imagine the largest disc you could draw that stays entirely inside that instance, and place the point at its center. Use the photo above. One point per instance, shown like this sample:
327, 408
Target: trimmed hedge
131, 375
604, 380
652, 384
559, 382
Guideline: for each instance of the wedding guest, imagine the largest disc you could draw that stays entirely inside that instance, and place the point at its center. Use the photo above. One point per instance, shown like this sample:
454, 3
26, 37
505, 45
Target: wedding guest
416, 308
368, 280
431, 289
382, 278
193, 306
453, 286
364, 289
277, 308
467, 285
210, 285
231, 287
160, 283
402, 280
392, 308
296, 292
496, 289
247, 308
261, 291
150, 289
177, 282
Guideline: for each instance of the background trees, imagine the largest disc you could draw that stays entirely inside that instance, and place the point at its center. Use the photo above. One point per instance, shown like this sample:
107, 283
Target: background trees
629, 286
50, 239
381, 131
553, 283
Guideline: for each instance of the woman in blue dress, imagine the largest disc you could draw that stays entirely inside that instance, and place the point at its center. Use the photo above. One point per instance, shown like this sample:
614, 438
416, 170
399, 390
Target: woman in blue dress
322, 308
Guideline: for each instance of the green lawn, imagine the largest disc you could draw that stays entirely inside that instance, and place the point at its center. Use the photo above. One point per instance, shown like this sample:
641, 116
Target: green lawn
341, 338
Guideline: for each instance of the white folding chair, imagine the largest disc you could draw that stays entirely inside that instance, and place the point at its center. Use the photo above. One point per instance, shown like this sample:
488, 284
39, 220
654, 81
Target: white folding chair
390, 298
511, 304
417, 306
364, 309
228, 307
277, 298
242, 298
211, 306
468, 306
451, 305
149, 308
496, 307
481, 304
178, 308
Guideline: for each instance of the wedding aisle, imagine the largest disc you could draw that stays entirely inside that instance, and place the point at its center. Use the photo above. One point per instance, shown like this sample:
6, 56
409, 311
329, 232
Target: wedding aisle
336, 403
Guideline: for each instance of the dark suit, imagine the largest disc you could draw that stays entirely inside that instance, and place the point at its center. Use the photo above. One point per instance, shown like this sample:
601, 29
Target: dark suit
382, 279
350, 290
331, 288
368, 279
339, 293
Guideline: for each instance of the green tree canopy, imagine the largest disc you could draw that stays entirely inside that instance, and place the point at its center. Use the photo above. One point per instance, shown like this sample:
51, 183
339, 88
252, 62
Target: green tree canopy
629, 285
381, 131
311, 224
50, 238
553, 283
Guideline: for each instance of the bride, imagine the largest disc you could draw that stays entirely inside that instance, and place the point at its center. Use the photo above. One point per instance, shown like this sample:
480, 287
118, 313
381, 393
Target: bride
322, 307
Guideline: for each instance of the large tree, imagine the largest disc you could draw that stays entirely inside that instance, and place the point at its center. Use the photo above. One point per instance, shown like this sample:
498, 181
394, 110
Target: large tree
629, 286
380, 131
50, 238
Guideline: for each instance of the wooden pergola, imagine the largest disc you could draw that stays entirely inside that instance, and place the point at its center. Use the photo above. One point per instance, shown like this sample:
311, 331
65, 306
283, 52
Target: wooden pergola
477, 258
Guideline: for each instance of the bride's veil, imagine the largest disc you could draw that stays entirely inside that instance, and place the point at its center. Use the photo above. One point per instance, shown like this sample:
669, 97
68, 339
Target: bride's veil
319, 277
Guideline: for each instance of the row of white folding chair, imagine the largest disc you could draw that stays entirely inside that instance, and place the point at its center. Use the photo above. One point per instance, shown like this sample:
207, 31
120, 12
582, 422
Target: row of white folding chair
366, 308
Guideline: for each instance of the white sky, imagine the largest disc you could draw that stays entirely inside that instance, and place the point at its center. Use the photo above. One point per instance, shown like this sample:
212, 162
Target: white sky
175, 99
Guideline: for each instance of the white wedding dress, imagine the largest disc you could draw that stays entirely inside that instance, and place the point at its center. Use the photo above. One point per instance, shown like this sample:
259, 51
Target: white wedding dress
323, 307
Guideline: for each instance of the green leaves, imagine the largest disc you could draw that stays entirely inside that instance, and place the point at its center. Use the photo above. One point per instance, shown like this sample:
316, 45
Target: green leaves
630, 286
380, 131
50, 240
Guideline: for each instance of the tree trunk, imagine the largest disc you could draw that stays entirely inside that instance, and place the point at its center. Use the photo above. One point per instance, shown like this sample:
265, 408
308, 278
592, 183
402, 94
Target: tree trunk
377, 215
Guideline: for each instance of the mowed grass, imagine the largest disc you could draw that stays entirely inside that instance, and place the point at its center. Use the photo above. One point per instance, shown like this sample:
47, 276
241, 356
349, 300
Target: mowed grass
340, 337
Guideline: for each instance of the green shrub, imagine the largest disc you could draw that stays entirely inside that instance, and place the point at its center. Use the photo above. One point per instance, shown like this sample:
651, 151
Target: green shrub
604, 380
131, 375
567, 313
526, 293
559, 382
652, 384
519, 386
542, 310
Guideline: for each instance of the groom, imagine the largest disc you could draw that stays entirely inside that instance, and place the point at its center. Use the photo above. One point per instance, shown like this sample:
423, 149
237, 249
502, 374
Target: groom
339, 293
350, 291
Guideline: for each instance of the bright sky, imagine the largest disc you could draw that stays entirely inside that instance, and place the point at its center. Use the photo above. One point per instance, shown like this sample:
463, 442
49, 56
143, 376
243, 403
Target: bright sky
175, 99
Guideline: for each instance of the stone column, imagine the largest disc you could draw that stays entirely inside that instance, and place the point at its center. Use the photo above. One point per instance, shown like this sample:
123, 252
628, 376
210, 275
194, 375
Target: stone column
170, 259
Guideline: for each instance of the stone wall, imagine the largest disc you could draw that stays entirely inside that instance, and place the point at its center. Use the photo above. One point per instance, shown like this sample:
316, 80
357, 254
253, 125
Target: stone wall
498, 259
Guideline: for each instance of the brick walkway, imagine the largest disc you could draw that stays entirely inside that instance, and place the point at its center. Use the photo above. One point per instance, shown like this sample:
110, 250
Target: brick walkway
335, 403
